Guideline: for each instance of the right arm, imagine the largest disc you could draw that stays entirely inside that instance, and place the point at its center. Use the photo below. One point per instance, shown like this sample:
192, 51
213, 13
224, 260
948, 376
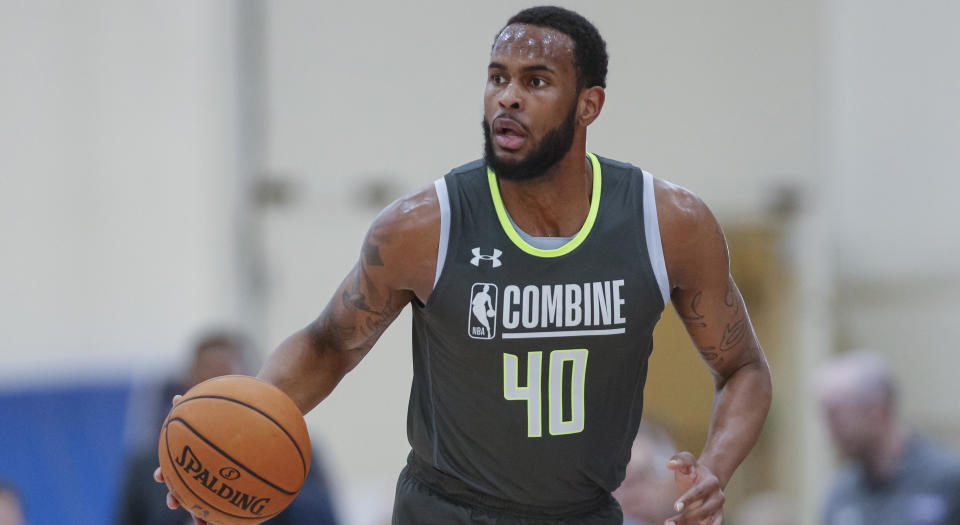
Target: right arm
396, 265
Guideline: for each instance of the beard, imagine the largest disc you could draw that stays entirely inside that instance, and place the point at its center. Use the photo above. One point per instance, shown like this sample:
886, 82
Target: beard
551, 148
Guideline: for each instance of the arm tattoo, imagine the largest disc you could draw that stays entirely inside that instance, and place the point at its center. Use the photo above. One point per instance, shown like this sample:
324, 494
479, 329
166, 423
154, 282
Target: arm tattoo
359, 323
710, 354
693, 319
365, 309
733, 335
371, 254
730, 298
331, 335
354, 298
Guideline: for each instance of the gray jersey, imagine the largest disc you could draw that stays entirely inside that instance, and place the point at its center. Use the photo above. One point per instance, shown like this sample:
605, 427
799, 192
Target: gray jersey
529, 363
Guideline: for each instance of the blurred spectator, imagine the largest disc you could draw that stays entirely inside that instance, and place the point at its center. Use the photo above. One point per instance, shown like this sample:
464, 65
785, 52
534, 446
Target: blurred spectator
648, 490
143, 501
11, 512
768, 508
214, 353
893, 475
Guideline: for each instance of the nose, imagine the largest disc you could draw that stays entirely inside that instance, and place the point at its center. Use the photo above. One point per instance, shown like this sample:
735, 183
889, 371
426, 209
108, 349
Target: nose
510, 97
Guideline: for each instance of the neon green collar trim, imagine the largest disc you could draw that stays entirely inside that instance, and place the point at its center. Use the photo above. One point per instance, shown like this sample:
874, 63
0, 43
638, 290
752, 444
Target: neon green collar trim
572, 244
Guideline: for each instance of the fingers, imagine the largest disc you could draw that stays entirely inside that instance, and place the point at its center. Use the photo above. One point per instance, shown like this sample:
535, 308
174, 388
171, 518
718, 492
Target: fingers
682, 462
710, 512
176, 399
708, 485
172, 502
713, 519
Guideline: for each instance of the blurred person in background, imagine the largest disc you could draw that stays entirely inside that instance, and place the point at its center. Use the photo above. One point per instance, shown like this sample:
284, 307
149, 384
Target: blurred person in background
215, 353
892, 475
648, 489
11, 511
508, 421
767, 508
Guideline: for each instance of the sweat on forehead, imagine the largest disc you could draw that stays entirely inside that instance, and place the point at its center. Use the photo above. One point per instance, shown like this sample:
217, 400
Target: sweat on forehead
532, 40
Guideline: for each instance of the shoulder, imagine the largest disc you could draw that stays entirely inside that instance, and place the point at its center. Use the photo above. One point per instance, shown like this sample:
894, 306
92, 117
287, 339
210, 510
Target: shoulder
413, 214
415, 217
934, 460
402, 244
680, 209
692, 239
406, 231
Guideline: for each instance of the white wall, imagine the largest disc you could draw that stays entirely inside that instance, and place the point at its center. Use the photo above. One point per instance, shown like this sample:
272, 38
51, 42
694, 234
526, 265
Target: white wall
116, 182
893, 162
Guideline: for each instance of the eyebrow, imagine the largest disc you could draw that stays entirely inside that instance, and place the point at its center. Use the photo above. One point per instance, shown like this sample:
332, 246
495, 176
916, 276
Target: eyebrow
534, 67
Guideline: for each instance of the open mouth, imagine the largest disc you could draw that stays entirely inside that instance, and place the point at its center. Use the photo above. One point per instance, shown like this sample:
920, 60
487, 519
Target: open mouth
509, 134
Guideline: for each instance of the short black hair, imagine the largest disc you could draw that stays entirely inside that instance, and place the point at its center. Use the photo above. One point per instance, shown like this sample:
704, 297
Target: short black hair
590, 51
219, 338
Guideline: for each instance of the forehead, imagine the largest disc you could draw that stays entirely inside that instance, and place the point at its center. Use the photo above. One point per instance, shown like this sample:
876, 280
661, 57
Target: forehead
533, 44
217, 351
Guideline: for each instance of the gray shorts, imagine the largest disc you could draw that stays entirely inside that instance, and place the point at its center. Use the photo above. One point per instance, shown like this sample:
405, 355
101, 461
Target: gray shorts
417, 503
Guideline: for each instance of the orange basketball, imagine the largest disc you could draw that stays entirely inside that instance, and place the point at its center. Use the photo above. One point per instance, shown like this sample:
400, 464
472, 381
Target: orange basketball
234, 449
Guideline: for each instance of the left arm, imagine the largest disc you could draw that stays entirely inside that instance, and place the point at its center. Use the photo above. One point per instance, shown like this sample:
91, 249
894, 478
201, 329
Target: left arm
712, 309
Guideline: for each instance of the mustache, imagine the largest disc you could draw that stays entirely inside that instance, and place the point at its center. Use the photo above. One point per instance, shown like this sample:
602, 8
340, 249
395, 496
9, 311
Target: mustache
504, 114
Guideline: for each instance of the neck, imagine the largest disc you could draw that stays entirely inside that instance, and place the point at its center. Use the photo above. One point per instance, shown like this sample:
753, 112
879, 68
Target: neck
557, 203
882, 464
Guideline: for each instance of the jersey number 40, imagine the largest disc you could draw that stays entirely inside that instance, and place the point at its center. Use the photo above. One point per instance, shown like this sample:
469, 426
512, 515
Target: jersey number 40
565, 413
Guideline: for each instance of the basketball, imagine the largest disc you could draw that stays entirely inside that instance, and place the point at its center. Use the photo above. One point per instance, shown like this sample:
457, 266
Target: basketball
234, 450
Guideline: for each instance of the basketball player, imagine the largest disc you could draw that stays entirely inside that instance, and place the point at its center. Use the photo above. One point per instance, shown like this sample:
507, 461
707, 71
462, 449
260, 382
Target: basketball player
531, 419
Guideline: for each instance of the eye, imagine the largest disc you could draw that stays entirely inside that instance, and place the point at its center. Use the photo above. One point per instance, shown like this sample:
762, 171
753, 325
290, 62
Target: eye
538, 82
496, 78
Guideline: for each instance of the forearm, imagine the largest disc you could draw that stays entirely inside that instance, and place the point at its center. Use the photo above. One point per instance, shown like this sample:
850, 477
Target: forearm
740, 408
310, 363
306, 367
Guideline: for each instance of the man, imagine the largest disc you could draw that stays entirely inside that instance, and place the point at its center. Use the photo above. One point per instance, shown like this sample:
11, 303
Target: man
893, 476
532, 420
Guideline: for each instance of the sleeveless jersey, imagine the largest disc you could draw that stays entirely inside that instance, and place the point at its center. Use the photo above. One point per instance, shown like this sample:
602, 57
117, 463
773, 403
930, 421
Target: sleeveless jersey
529, 364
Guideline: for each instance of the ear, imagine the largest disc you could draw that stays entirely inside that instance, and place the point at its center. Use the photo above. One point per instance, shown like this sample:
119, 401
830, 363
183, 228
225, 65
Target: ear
589, 105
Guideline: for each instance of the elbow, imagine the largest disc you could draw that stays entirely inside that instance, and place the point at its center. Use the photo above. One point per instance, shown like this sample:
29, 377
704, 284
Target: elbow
762, 382
755, 374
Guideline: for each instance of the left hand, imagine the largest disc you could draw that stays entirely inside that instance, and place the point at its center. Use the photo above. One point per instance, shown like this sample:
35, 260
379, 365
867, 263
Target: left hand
702, 501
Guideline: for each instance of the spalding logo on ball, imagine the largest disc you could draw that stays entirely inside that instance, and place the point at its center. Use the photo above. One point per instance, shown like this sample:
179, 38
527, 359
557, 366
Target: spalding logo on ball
234, 450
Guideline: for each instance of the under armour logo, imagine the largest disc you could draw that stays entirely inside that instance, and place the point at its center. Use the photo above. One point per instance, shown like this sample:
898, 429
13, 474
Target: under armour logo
477, 257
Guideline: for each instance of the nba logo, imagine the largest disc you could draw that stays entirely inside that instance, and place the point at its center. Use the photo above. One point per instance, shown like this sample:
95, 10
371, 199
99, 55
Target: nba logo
482, 323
